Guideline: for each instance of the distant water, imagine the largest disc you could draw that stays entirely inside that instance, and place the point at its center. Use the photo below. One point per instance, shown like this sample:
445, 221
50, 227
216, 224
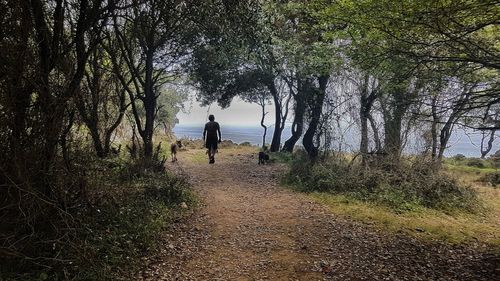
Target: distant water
460, 142
237, 134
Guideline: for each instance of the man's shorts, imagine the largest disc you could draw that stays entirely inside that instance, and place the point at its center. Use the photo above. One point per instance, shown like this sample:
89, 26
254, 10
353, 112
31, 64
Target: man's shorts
211, 143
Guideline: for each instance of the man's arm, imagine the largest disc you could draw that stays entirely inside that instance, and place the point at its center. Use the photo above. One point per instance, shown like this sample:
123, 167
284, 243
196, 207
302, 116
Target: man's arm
218, 131
204, 132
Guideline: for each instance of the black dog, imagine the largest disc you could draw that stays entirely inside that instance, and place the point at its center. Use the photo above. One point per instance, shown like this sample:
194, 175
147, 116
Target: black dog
263, 156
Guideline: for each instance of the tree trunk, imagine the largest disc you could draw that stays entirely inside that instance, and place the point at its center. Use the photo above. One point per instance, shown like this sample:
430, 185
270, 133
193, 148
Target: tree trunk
487, 149
376, 137
443, 140
393, 122
392, 128
316, 106
447, 129
263, 107
434, 128
149, 107
363, 146
64, 139
96, 139
298, 118
364, 110
276, 141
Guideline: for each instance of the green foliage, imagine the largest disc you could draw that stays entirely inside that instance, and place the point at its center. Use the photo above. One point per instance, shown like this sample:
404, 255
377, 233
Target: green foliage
282, 157
491, 178
419, 30
170, 102
120, 232
459, 157
120, 223
479, 164
475, 162
495, 159
409, 186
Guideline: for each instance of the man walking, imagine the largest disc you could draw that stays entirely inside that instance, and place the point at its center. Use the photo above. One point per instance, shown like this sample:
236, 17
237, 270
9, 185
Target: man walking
212, 128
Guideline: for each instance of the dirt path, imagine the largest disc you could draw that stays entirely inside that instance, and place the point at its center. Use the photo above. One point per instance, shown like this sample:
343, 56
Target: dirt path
250, 228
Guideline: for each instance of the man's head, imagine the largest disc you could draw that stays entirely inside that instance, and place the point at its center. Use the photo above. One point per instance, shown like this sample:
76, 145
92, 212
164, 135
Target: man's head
211, 117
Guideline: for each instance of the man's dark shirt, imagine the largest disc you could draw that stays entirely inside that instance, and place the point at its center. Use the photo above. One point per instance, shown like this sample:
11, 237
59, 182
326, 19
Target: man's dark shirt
212, 127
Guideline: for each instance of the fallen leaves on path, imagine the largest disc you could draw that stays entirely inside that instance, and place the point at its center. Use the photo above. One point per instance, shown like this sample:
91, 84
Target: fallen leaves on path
251, 228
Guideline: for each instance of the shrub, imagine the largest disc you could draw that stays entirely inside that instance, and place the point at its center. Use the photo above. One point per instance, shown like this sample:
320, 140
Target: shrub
192, 143
491, 178
495, 159
283, 157
475, 162
168, 188
103, 234
459, 157
410, 185
227, 144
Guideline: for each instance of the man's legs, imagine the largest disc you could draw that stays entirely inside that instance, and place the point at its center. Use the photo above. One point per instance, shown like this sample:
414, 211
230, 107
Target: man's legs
210, 152
211, 155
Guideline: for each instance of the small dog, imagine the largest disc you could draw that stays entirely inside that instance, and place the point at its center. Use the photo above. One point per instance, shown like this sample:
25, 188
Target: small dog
263, 156
174, 147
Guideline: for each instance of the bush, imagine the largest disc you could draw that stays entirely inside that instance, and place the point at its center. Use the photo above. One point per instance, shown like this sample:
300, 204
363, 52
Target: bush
413, 184
227, 144
117, 220
283, 157
491, 178
475, 162
121, 229
495, 159
168, 188
192, 143
459, 157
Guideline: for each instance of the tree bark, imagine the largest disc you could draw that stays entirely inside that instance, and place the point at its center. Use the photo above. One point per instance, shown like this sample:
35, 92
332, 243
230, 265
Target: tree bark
316, 106
447, 129
366, 102
298, 118
92, 105
149, 107
376, 137
434, 129
489, 145
394, 112
276, 141
263, 106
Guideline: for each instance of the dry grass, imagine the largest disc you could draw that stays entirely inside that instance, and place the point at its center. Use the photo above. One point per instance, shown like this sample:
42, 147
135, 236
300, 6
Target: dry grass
424, 223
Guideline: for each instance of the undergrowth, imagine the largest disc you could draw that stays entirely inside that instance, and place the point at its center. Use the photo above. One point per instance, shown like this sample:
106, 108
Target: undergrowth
408, 186
114, 223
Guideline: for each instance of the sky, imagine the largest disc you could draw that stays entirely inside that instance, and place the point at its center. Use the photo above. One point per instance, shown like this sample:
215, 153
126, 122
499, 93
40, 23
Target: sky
239, 113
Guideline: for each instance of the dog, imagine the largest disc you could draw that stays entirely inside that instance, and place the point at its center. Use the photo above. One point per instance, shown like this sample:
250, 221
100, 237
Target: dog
174, 147
263, 156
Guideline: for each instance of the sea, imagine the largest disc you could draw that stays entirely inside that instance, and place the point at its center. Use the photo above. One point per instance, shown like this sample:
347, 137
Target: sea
463, 142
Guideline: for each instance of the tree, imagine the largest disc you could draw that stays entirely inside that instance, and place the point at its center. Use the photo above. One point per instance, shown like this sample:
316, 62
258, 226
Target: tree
261, 98
38, 86
101, 101
153, 37
311, 60
219, 66
45, 49
368, 92
170, 102
298, 90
